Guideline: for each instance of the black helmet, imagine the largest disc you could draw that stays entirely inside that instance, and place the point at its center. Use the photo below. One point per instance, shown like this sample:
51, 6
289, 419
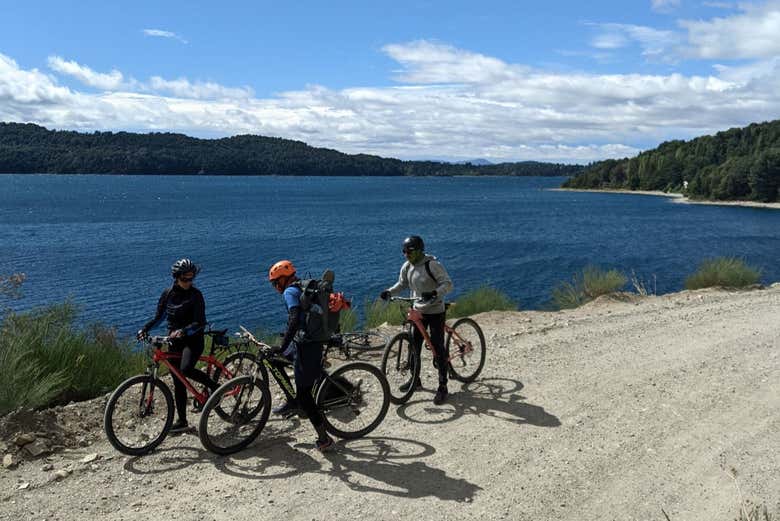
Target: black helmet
413, 242
183, 266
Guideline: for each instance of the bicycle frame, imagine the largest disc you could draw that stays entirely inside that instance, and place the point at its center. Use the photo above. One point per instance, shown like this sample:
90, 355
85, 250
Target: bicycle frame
281, 378
162, 357
414, 318
275, 370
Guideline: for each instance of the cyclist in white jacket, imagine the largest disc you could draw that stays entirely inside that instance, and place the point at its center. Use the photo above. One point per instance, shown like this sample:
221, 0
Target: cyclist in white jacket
427, 279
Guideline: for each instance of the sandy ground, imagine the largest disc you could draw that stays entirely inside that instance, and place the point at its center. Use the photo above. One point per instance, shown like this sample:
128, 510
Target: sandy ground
617, 410
680, 198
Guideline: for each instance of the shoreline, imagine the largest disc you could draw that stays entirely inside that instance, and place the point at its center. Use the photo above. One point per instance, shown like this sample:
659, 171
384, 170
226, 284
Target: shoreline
675, 197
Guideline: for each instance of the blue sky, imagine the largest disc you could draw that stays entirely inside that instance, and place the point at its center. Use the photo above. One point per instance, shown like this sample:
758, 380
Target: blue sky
553, 81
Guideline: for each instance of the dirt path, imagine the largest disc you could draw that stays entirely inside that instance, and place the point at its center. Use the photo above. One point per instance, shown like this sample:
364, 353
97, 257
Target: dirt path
613, 411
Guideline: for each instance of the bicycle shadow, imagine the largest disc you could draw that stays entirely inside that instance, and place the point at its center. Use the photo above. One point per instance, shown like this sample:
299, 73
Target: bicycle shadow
174, 455
377, 464
493, 397
372, 465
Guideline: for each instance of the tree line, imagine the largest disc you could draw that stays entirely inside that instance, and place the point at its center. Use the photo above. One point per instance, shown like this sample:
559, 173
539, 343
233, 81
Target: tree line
29, 148
737, 164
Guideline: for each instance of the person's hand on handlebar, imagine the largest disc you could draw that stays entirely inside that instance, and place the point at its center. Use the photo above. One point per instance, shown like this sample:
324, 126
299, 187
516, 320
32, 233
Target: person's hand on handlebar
429, 295
385, 295
177, 334
142, 334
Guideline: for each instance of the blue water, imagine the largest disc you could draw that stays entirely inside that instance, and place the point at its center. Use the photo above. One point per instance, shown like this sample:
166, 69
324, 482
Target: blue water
107, 242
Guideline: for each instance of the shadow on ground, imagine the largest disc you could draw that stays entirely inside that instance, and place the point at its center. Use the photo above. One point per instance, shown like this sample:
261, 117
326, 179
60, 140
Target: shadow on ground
494, 397
384, 465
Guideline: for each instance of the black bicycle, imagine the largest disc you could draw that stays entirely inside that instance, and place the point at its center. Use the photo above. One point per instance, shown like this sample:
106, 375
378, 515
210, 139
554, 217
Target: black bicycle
352, 344
354, 398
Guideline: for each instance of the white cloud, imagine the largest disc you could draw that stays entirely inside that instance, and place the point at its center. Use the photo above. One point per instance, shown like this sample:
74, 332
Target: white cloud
719, 5
428, 62
449, 103
655, 43
159, 33
754, 33
664, 6
115, 81
110, 81
610, 40
182, 87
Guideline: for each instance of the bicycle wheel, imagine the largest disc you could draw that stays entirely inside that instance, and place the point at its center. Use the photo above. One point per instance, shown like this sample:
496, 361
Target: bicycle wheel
364, 340
401, 367
138, 415
240, 363
466, 345
234, 415
354, 400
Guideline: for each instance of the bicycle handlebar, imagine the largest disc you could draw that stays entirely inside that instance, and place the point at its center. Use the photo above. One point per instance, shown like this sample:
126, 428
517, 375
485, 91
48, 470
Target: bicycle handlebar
249, 336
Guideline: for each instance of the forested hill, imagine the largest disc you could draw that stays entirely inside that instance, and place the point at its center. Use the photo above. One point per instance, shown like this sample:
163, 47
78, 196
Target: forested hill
28, 148
740, 163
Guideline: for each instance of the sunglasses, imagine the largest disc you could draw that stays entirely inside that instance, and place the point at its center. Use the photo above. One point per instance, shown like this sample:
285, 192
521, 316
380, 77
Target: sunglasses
407, 252
275, 283
186, 279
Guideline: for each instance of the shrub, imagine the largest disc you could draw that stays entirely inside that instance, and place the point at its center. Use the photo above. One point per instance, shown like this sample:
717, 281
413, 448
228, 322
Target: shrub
348, 320
727, 272
479, 300
475, 301
379, 312
44, 359
592, 282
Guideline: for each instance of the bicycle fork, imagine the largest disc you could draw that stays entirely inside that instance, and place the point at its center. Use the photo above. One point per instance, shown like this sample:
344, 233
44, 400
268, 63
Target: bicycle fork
145, 404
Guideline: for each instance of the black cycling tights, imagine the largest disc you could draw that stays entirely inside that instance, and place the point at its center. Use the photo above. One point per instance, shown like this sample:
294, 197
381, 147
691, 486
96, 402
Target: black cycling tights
189, 357
309, 406
435, 324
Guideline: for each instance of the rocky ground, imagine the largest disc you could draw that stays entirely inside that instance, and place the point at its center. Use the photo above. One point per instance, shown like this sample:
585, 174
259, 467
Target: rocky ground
634, 409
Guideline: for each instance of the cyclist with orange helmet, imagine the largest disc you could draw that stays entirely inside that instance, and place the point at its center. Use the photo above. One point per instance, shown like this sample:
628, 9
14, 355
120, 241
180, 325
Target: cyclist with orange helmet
307, 354
427, 280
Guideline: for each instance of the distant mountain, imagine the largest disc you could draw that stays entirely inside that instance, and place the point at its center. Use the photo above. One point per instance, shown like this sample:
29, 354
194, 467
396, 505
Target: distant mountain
476, 162
28, 148
739, 163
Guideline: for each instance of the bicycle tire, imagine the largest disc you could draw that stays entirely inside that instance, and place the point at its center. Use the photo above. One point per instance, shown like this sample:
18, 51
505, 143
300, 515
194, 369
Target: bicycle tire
126, 410
349, 394
364, 340
400, 365
466, 368
230, 420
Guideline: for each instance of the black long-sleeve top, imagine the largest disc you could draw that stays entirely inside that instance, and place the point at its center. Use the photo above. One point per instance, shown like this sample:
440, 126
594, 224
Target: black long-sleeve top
185, 309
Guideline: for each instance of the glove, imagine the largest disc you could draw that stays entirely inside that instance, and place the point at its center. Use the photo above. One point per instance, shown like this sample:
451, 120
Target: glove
428, 295
385, 295
141, 334
276, 350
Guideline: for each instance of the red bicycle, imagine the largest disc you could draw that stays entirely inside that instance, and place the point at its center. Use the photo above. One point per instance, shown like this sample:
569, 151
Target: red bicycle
139, 412
401, 364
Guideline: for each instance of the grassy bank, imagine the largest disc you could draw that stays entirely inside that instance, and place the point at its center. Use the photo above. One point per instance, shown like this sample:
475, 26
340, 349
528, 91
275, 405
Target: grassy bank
45, 359
476, 301
593, 282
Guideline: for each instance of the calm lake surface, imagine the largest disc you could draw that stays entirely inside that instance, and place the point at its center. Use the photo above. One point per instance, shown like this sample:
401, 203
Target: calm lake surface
107, 242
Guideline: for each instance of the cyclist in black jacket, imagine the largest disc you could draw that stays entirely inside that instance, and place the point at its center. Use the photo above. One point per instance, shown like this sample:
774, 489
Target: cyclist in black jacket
185, 309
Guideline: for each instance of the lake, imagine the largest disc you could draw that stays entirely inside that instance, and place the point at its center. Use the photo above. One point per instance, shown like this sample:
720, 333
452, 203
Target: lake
107, 242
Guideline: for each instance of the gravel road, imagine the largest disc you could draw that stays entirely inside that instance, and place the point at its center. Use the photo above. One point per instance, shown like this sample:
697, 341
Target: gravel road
622, 409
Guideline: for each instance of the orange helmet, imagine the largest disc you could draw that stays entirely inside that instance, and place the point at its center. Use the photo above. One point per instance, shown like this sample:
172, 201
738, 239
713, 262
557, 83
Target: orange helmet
283, 268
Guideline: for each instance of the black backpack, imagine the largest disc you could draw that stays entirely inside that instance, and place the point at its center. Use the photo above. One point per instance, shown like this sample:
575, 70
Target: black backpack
319, 322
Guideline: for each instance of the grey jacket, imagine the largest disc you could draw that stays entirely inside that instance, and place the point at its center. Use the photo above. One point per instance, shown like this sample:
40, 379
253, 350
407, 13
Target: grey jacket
415, 278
